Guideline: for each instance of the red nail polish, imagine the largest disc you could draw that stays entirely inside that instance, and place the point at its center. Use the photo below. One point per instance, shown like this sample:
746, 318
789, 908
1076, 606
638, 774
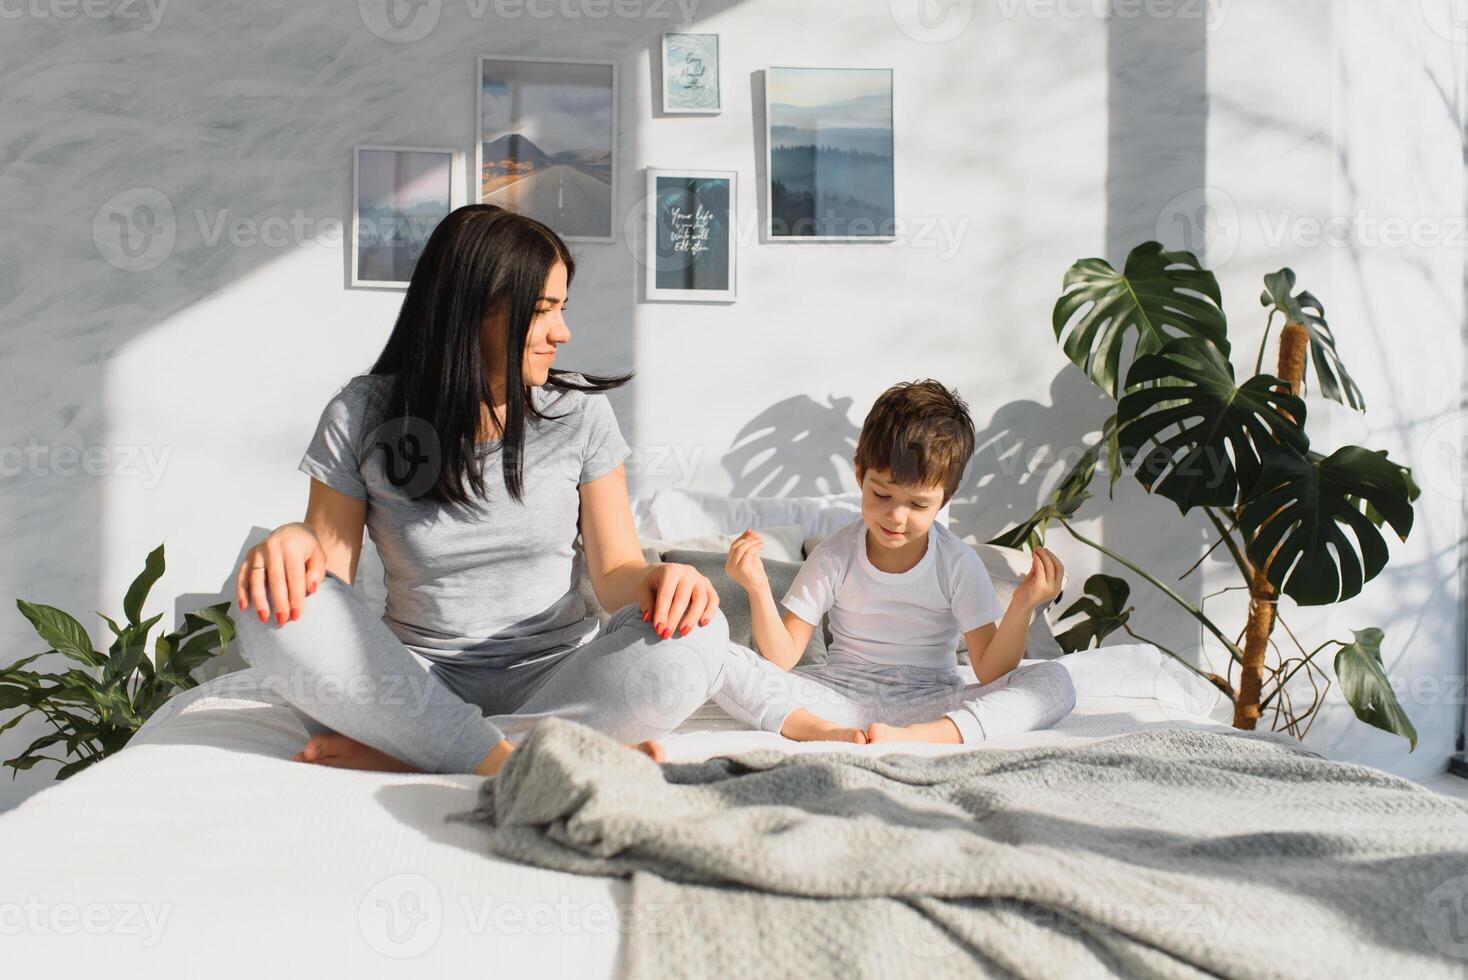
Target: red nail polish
703, 622
280, 618
684, 631
295, 614
657, 628
646, 616
263, 617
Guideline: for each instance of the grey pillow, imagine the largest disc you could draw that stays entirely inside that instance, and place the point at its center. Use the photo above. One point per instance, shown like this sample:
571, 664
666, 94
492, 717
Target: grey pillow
734, 601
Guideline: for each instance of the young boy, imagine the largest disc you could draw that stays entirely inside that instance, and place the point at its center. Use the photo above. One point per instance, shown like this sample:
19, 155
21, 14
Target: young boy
900, 589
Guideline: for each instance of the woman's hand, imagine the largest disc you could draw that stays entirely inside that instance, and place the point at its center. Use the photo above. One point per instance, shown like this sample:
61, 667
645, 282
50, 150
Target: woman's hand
743, 564
675, 598
279, 572
1043, 581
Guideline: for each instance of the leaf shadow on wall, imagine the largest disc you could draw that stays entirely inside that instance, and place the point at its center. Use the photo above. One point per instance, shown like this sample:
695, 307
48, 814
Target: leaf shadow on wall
798, 447
1025, 447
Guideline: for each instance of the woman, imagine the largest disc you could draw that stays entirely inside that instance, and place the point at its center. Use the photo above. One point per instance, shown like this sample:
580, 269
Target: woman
493, 485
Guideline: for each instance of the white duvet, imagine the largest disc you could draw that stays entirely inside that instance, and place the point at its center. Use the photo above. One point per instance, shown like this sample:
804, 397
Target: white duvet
203, 850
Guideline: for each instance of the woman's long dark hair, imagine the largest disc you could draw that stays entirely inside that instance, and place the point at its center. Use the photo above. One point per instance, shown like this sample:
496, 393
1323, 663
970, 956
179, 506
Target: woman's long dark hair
480, 259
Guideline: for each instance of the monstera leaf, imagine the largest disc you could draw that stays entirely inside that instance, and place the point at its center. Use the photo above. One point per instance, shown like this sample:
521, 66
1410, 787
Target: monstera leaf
1303, 308
1297, 516
1184, 403
1159, 295
1068, 495
1103, 605
1366, 687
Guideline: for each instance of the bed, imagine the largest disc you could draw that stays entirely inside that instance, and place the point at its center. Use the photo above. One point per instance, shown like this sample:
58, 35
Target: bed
203, 849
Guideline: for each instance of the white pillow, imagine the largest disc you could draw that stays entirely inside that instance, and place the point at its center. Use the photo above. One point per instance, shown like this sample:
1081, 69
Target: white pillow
677, 514
782, 543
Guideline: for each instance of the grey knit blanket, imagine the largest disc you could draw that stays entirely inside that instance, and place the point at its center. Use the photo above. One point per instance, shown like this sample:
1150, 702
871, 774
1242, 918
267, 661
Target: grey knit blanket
1163, 853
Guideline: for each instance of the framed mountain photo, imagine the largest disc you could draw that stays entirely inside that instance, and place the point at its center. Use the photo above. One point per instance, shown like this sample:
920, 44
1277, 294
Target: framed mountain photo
548, 140
690, 235
828, 137
400, 195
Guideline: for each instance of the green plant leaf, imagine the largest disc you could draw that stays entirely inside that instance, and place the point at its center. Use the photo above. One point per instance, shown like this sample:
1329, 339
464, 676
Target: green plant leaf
1105, 610
1366, 687
1206, 432
72, 768
62, 631
217, 616
1299, 512
1303, 308
137, 593
1159, 295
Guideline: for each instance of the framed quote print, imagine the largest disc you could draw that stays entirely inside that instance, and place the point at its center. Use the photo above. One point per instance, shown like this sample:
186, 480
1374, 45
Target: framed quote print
691, 235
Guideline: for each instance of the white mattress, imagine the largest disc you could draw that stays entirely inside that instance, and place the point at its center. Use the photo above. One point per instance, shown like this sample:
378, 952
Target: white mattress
203, 850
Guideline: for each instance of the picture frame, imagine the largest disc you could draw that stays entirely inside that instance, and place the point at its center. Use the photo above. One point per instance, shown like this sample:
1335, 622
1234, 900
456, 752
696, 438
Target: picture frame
842, 188
399, 195
692, 77
691, 242
570, 106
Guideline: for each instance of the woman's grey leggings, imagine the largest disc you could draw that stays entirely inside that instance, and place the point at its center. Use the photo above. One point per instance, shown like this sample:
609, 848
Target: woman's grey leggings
341, 667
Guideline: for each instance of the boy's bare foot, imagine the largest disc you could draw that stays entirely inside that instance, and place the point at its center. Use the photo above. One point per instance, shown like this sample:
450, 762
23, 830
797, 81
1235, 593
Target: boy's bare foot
802, 726
942, 730
340, 752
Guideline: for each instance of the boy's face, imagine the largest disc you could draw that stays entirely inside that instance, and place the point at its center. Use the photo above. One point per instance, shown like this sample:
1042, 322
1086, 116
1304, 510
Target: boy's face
896, 515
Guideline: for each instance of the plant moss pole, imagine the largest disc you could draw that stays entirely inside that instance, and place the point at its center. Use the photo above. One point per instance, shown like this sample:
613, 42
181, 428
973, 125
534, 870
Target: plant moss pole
1293, 342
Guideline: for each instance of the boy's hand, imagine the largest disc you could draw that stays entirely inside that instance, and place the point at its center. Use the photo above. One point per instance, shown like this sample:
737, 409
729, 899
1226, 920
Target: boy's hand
1043, 581
743, 564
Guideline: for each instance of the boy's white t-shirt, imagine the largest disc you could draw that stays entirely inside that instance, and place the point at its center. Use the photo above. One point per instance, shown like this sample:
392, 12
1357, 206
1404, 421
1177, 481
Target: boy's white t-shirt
895, 619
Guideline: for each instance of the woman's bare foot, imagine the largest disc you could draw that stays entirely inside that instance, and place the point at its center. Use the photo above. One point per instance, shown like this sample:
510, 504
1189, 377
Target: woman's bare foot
653, 750
340, 752
802, 726
942, 731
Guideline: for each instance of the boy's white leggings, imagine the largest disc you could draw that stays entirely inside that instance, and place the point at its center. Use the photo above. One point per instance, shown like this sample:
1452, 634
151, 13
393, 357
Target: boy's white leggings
854, 694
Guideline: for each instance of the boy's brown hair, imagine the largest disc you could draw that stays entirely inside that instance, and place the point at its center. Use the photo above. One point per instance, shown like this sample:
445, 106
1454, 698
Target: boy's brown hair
920, 433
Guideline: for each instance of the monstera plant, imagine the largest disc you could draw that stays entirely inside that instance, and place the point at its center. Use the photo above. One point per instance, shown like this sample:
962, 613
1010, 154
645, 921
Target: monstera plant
1298, 524
94, 708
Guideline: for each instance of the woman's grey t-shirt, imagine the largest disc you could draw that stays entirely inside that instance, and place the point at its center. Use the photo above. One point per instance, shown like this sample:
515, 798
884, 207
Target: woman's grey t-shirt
499, 581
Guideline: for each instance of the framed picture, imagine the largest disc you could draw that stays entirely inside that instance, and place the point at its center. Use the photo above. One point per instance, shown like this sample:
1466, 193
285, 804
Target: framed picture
547, 143
691, 73
690, 235
400, 194
828, 136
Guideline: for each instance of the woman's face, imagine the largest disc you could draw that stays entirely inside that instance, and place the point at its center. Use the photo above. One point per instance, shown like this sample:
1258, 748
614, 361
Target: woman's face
547, 331
548, 328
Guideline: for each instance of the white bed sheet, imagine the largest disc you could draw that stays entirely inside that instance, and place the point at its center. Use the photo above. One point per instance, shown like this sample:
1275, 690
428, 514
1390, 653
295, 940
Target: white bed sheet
202, 849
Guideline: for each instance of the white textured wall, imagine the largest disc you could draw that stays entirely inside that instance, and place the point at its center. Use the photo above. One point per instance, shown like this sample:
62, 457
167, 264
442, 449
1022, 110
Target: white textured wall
1028, 134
